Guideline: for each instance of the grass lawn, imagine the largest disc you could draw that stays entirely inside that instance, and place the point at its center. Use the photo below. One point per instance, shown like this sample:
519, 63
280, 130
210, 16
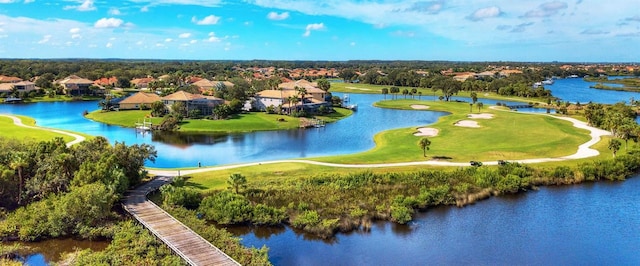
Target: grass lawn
426, 93
254, 121
507, 136
10, 130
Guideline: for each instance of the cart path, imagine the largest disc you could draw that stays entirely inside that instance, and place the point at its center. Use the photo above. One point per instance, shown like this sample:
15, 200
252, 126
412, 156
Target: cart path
18, 122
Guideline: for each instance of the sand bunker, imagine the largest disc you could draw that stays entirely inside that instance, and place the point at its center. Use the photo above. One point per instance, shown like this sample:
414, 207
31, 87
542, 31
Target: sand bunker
426, 132
419, 106
480, 116
466, 123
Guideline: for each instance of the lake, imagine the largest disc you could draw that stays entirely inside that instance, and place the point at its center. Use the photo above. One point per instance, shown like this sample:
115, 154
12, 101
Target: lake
587, 224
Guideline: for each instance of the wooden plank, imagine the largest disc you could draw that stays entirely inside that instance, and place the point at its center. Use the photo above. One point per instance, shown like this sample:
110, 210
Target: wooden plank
194, 249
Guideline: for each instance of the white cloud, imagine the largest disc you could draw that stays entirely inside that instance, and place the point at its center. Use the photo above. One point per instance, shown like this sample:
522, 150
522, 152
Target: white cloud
193, 41
144, 9
108, 23
45, 39
168, 40
546, 10
114, 11
314, 26
76, 36
109, 45
275, 16
213, 38
28, 1
208, 20
184, 35
74, 30
86, 5
205, 3
484, 13
352, 44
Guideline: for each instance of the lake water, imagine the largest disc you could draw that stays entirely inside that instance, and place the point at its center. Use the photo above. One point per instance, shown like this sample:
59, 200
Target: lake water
588, 224
577, 90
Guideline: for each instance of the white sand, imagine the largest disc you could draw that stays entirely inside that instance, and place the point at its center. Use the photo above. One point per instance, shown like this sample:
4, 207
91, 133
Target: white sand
426, 132
480, 116
355, 88
419, 106
466, 123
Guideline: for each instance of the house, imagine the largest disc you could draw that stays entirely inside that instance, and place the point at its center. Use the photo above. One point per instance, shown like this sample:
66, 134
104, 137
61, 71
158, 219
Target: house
22, 86
207, 85
142, 83
7, 79
75, 86
102, 82
313, 99
193, 101
140, 100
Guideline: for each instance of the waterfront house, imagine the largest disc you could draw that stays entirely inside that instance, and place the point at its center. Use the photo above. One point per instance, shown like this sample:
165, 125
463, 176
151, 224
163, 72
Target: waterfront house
8, 79
139, 100
142, 83
313, 99
76, 86
204, 104
22, 86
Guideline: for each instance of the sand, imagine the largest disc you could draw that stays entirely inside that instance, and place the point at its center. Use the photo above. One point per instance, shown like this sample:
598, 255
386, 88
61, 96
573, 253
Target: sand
426, 132
467, 123
480, 116
419, 106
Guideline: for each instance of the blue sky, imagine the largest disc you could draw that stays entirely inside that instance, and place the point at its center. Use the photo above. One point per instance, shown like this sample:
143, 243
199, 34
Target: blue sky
456, 30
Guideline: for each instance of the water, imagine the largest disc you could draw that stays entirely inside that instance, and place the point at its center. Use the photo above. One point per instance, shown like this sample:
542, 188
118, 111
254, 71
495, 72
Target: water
45, 252
571, 225
577, 90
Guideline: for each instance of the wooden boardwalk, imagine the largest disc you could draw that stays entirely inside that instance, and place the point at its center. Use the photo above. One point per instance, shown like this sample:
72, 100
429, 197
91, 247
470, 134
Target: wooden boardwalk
194, 249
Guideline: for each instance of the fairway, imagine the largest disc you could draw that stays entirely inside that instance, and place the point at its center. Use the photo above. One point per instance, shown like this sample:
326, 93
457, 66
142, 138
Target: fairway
10, 130
506, 136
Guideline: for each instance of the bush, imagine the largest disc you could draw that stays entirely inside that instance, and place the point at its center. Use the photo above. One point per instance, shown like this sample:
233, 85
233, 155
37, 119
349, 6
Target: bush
305, 219
226, 208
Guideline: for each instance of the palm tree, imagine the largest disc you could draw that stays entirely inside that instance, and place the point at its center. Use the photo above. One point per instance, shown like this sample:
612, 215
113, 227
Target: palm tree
293, 100
480, 105
301, 92
385, 91
18, 163
424, 145
236, 182
614, 146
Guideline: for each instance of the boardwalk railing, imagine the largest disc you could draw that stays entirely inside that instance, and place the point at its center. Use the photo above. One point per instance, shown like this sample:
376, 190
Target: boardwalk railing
186, 243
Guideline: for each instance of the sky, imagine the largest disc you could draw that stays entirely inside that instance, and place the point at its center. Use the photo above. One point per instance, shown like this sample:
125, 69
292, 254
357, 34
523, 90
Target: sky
335, 30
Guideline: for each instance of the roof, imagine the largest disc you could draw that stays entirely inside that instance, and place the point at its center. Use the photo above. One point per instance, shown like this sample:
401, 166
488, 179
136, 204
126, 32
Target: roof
24, 83
6, 86
309, 86
106, 81
142, 97
182, 96
277, 94
142, 80
73, 79
5, 79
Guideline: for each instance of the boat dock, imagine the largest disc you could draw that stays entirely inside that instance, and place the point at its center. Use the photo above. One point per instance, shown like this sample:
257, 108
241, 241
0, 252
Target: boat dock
144, 126
184, 242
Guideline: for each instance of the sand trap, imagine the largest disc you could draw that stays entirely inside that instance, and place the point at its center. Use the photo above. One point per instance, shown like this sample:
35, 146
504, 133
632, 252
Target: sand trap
426, 132
354, 88
480, 116
466, 123
419, 106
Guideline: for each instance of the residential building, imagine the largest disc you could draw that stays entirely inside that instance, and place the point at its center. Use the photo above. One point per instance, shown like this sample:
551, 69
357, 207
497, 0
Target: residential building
22, 86
193, 101
8, 79
76, 86
142, 83
314, 98
139, 100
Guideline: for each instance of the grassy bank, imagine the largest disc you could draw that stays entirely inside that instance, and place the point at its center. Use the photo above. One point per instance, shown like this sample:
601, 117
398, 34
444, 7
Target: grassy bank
426, 93
10, 130
253, 121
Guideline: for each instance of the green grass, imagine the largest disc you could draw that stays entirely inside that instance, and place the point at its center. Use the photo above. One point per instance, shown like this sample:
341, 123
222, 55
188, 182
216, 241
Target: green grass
426, 93
254, 121
10, 130
508, 136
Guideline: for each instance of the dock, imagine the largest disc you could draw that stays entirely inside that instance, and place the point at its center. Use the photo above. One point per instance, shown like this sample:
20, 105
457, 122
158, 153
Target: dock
184, 242
518, 106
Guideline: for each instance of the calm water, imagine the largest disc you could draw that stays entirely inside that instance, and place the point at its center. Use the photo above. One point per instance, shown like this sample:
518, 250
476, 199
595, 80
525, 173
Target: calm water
577, 90
589, 224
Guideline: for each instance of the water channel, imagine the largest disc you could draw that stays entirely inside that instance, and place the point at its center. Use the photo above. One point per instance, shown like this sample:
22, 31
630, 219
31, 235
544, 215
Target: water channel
584, 224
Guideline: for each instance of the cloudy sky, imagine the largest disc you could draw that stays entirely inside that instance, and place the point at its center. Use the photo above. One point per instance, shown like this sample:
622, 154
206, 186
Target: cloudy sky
457, 30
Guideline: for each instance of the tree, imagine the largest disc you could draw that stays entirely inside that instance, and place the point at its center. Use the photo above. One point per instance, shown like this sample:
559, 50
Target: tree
424, 145
236, 182
18, 163
405, 92
158, 109
324, 84
480, 105
614, 146
413, 92
474, 97
395, 91
302, 91
385, 91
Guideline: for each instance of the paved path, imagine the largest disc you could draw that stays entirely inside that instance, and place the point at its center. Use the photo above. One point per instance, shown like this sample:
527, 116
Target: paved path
584, 151
194, 249
18, 122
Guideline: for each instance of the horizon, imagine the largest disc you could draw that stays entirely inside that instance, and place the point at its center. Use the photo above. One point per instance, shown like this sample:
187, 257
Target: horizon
576, 31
